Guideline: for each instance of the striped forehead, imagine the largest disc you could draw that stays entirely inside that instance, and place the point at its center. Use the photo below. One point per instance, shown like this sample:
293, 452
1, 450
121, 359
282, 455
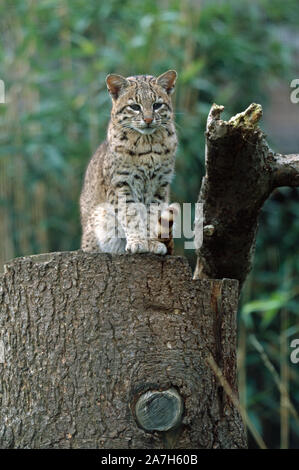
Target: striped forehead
141, 78
144, 88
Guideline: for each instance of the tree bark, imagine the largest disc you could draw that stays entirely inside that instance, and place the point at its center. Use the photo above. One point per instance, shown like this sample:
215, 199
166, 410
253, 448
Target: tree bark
88, 341
241, 173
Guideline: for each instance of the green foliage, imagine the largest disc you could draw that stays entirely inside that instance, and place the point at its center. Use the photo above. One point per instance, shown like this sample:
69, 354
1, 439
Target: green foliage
54, 57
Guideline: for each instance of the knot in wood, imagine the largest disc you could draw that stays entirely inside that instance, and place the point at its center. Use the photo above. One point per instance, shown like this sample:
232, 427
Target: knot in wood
159, 411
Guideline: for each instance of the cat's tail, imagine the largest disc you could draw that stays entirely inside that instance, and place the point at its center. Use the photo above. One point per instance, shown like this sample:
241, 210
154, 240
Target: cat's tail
165, 226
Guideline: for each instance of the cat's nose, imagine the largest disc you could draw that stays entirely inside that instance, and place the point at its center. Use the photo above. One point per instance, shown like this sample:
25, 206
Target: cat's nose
148, 119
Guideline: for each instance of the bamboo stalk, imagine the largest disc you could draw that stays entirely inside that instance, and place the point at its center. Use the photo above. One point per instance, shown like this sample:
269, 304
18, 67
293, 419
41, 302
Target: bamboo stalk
284, 374
38, 210
222, 380
18, 98
280, 385
7, 250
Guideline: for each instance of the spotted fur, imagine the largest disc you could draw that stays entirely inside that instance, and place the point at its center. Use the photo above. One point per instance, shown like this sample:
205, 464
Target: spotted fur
135, 164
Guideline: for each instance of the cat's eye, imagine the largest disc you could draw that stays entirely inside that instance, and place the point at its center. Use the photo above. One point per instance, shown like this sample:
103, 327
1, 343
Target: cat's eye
135, 107
157, 106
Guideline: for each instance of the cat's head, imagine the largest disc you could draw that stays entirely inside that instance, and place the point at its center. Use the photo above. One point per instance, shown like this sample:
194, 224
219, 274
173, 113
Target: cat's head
142, 102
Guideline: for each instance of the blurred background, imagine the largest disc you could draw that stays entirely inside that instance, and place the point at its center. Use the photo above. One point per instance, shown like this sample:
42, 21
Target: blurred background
54, 57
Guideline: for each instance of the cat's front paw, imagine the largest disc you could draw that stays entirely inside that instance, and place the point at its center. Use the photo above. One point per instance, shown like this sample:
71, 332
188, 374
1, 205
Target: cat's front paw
137, 246
157, 247
146, 246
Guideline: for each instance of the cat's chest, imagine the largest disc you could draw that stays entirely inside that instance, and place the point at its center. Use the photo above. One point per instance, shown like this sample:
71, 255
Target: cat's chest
147, 175
145, 165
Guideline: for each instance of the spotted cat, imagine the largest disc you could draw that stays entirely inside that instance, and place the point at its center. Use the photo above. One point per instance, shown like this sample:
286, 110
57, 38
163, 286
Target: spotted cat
128, 177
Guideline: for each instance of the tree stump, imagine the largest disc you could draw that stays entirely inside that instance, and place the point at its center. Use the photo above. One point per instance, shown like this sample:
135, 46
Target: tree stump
241, 173
109, 352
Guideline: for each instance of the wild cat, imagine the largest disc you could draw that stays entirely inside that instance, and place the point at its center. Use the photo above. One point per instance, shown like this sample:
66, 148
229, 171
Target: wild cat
130, 172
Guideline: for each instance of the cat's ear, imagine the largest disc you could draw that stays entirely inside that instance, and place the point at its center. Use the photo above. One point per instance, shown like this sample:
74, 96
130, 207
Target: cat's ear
167, 81
116, 84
